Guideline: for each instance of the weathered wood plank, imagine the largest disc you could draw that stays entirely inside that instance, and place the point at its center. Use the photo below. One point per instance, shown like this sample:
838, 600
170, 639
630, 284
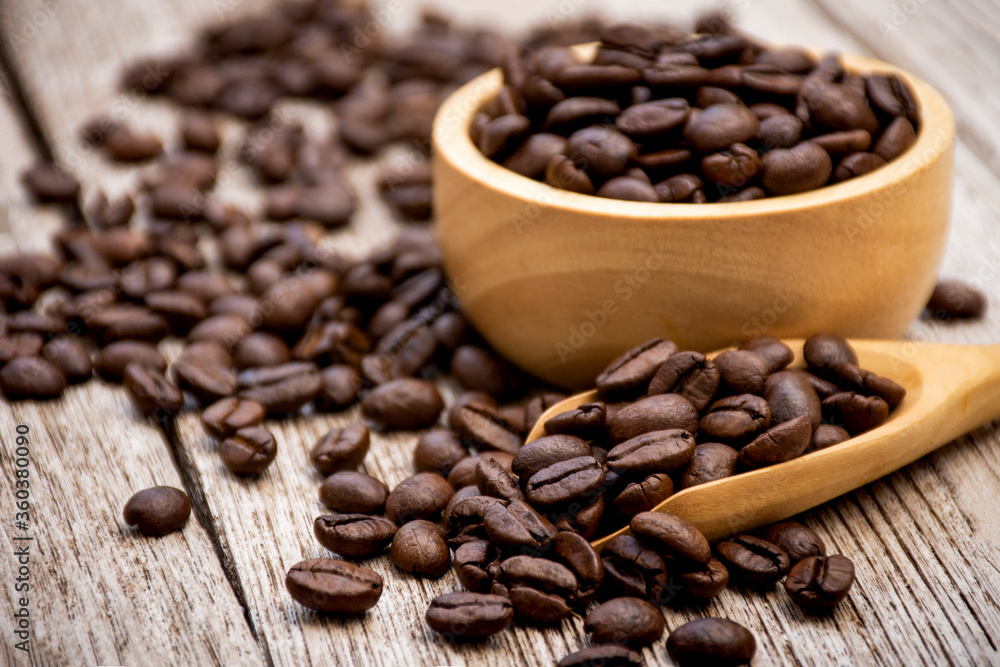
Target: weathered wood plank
100, 592
927, 587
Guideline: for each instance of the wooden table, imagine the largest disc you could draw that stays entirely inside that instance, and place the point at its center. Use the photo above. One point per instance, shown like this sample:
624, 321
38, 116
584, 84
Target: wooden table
926, 540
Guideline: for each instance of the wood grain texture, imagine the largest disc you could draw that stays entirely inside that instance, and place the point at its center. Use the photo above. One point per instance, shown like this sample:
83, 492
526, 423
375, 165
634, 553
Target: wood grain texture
100, 592
924, 540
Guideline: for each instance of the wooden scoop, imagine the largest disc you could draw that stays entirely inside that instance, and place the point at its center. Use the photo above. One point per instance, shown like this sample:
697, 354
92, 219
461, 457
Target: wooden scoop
950, 390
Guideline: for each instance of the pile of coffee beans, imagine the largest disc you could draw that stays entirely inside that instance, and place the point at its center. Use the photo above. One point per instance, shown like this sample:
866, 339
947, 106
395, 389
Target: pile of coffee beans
659, 115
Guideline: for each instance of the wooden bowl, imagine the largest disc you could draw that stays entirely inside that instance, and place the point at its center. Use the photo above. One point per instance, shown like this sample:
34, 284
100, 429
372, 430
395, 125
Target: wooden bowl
561, 283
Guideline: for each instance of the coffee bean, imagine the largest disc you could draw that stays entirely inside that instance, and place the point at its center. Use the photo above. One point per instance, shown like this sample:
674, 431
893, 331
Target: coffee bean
644, 121
671, 537
850, 376
578, 516
157, 511
124, 144
463, 473
796, 540
789, 394
538, 588
563, 173
354, 535
281, 389
780, 443
627, 188
465, 616
585, 422
31, 378
471, 562
438, 451
110, 362
741, 372
788, 171
484, 427
735, 420
565, 481
50, 183
422, 496
630, 569
630, 373
828, 435
689, 374
333, 586
493, 480
477, 370
781, 131
249, 451
703, 582
734, 167
643, 495
956, 300
720, 126
501, 134
895, 140
574, 551
608, 655
464, 515
535, 153
753, 561
206, 374
260, 349
776, 355
340, 387
855, 412
625, 620
653, 452
228, 415
710, 461
605, 151
198, 132
711, 641
892, 96
350, 491
419, 548
405, 404
656, 413
342, 448
151, 392
825, 350
70, 356
518, 526
182, 310
538, 405
818, 583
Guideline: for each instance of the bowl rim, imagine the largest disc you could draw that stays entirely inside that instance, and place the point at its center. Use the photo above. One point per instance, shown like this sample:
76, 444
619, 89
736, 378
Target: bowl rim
451, 142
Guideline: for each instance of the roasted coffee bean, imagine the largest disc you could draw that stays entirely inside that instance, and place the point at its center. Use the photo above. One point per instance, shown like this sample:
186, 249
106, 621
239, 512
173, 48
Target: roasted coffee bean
438, 451
537, 406
249, 451
689, 374
710, 461
182, 310
20, 345
227, 330
353, 492
671, 537
471, 561
477, 370
720, 126
404, 404
70, 356
796, 540
353, 535
741, 372
895, 140
653, 452
157, 511
126, 322
31, 378
828, 435
857, 413
538, 588
753, 561
586, 422
735, 420
781, 131
703, 582
493, 480
776, 355
579, 515
789, 394
463, 473
208, 376
625, 620
575, 552
711, 641
419, 548
643, 495
630, 569
281, 389
646, 121
198, 132
462, 616
260, 349
851, 377
843, 143
628, 188
734, 167
605, 151
826, 350
342, 448
656, 413
422, 496
484, 427
340, 387
797, 169
535, 153
856, 164
563, 173
124, 144
228, 415
818, 583
608, 655
28, 321
890, 95
518, 526
51, 183
110, 362
956, 300
501, 134
333, 586
464, 515
151, 392
564, 481
630, 373
779, 443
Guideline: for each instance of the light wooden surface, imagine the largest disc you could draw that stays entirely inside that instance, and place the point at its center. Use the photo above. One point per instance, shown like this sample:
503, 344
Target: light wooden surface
923, 539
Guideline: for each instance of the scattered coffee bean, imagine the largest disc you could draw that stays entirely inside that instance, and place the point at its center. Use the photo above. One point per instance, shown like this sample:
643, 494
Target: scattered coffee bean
151, 392
671, 537
608, 655
354, 535
157, 511
469, 616
249, 451
31, 378
228, 415
333, 586
625, 620
419, 548
714, 641
796, 540
423, 496
818, 583
753, 561
352, 492
956, 300
404, 404
343, 448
